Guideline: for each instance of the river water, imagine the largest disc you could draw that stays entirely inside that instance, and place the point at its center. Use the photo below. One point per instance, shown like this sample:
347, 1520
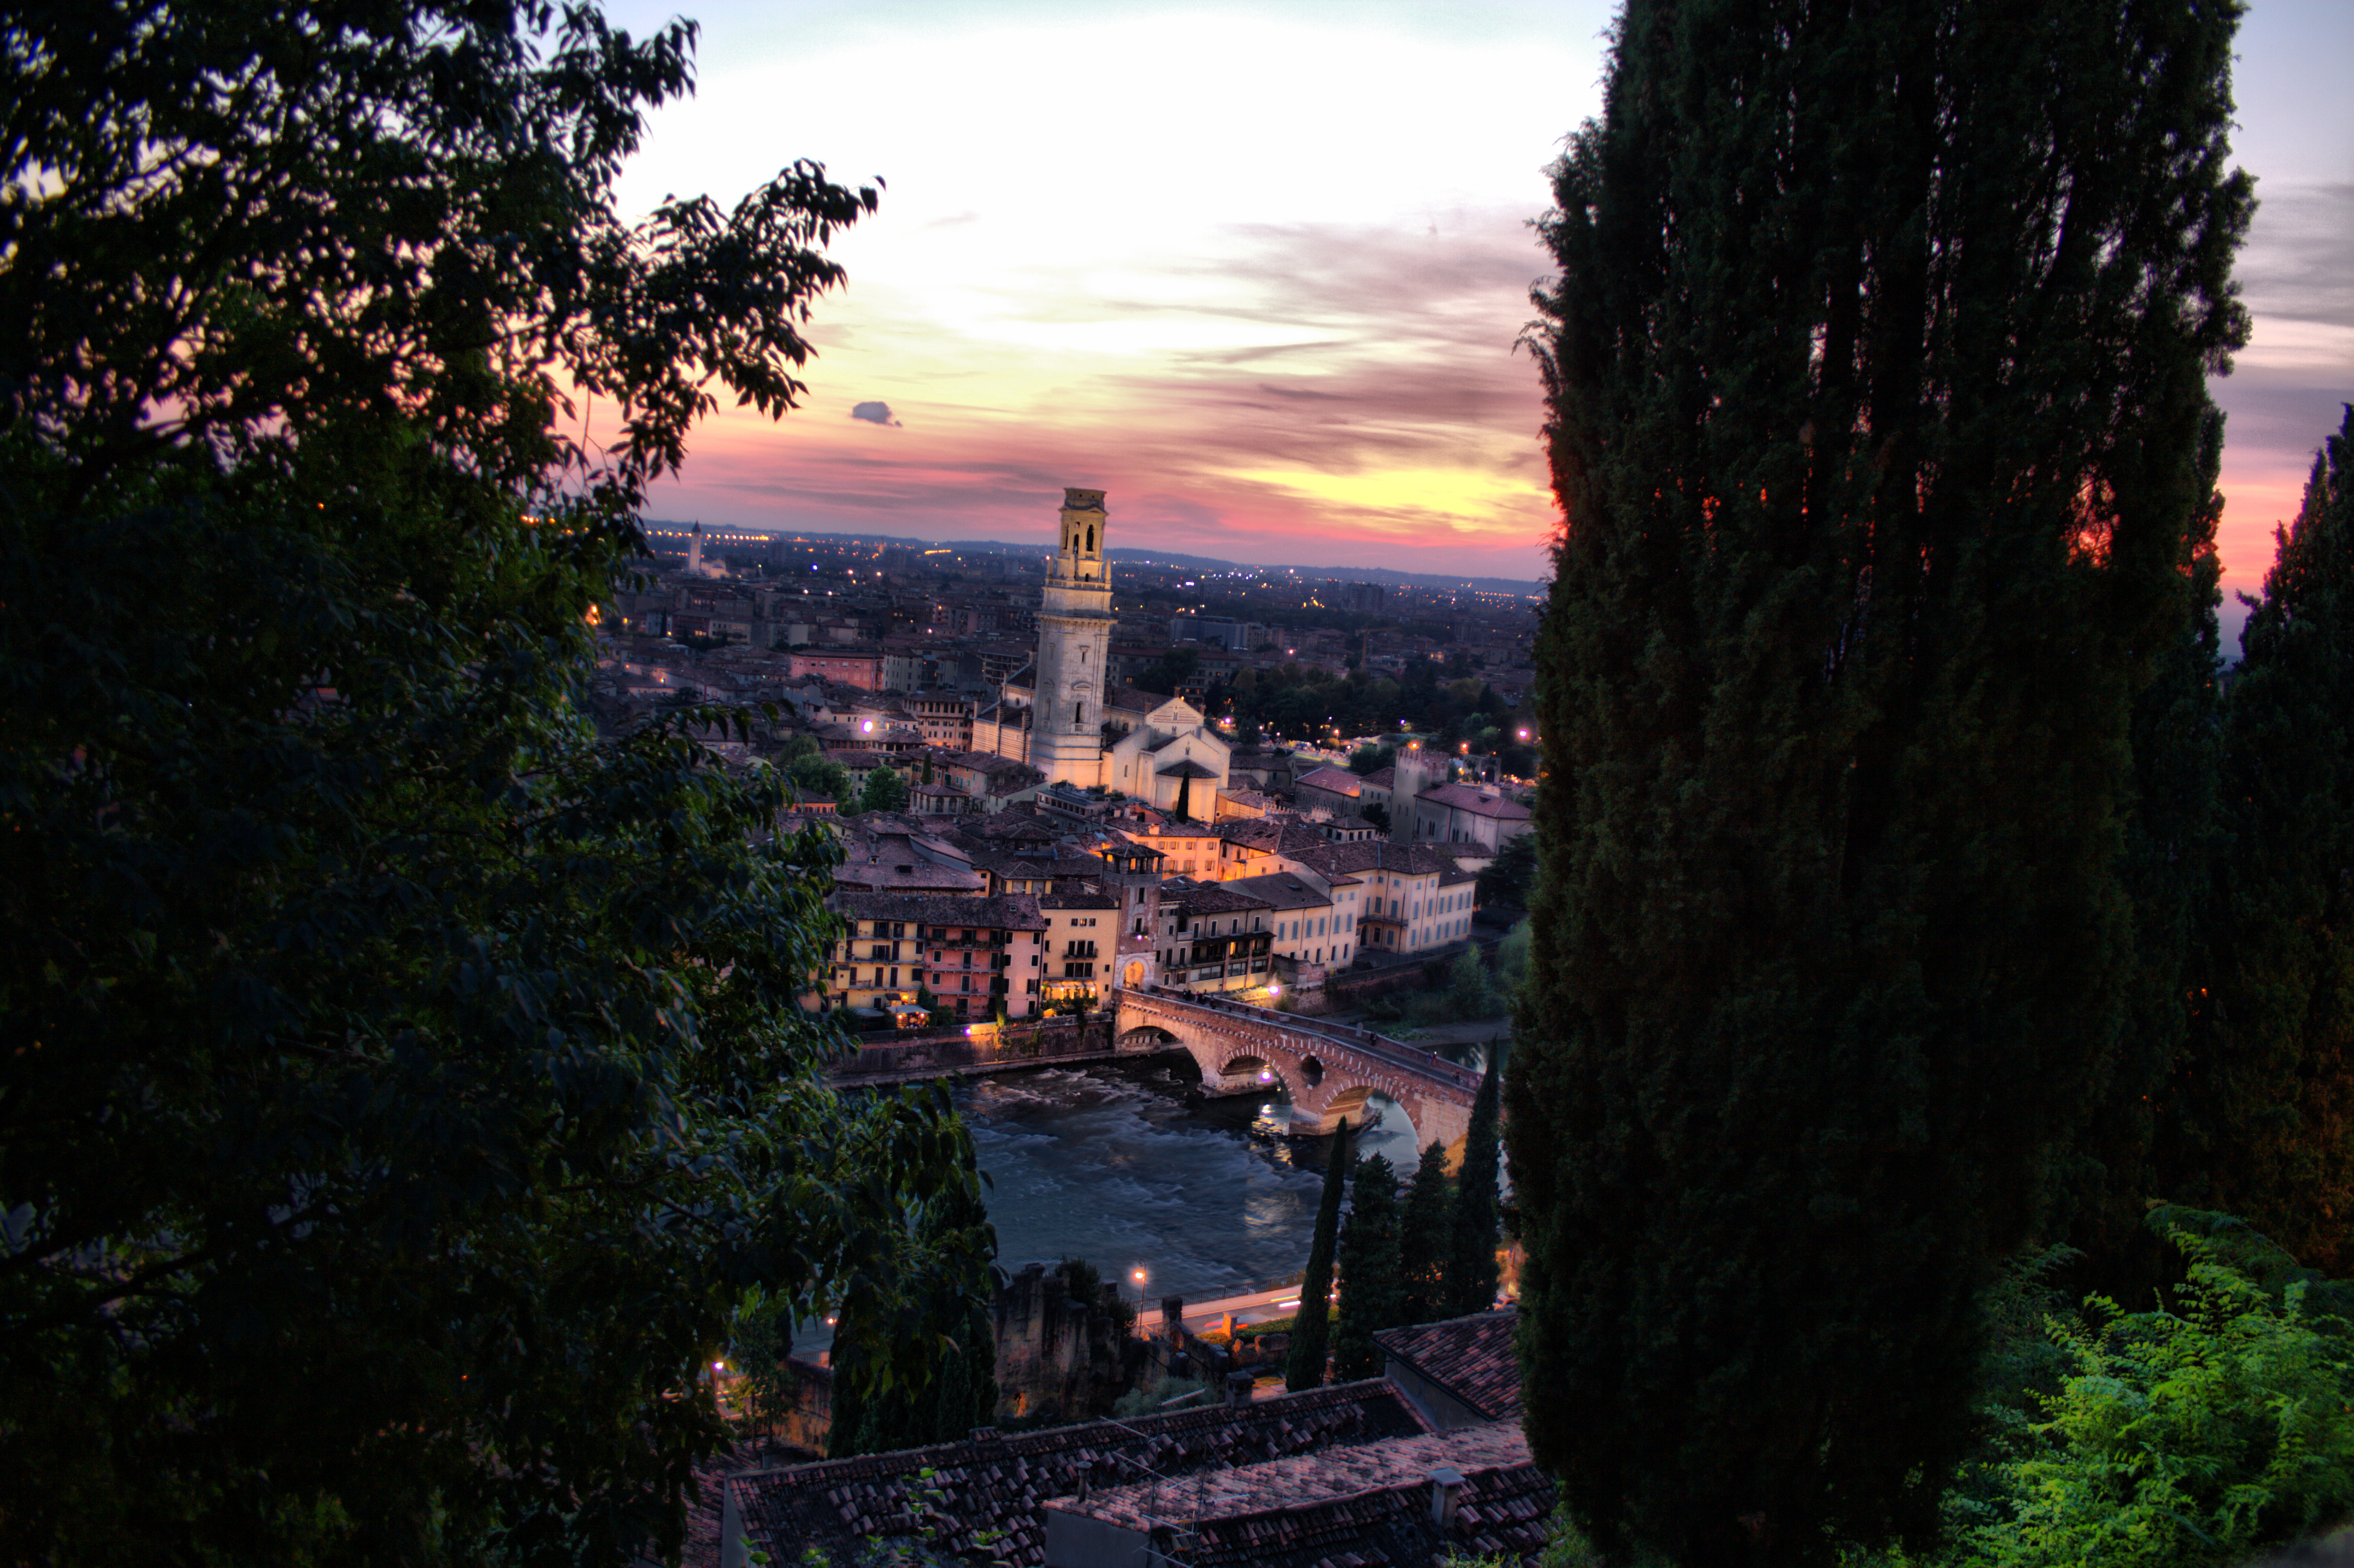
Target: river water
1127, 1166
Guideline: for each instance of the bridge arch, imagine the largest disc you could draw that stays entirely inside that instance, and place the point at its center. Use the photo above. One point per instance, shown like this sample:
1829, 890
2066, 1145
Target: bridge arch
1330, 1071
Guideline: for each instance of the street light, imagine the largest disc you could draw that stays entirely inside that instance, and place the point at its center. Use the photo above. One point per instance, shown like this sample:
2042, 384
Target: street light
1138, 1276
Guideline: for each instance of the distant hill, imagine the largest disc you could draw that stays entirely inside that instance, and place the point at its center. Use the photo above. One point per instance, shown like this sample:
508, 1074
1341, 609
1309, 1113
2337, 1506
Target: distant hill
1204, 563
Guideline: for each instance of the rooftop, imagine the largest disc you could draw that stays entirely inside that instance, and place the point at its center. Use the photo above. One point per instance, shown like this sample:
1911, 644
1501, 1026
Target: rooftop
1306, 1479
1472, 1357
1002, 1483
1332, 780
1478, 801
1003, 911
1181, 894
1281, 890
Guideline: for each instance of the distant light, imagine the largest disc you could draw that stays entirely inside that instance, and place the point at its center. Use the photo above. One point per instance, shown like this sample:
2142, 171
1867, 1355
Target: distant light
1266, 1075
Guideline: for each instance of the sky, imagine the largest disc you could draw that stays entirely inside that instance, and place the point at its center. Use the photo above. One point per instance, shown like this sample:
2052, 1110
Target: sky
1259, 270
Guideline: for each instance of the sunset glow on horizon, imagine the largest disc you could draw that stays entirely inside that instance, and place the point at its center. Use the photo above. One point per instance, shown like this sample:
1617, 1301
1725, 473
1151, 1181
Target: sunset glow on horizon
1259, 272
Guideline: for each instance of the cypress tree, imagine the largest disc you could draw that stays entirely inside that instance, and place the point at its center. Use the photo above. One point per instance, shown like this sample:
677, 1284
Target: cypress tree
1876, 377
1303, 1365
2175, 840
1373, 1293
1425, 1240
2265, 1102
1478, 1218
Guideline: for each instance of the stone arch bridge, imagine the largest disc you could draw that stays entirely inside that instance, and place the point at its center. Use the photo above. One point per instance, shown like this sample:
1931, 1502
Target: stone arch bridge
1330, 1069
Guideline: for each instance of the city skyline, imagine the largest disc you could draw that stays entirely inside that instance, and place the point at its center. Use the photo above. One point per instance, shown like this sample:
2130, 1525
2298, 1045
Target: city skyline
1259, 275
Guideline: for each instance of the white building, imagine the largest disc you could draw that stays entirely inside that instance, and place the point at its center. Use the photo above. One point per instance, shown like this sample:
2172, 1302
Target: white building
1468, 815
1062, 716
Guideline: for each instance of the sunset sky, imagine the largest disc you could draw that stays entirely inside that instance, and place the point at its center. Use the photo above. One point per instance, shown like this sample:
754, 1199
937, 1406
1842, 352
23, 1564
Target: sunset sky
1258, 271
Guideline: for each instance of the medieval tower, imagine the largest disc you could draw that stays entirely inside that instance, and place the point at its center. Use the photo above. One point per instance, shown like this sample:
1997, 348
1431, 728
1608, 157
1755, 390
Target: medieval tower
1074, 622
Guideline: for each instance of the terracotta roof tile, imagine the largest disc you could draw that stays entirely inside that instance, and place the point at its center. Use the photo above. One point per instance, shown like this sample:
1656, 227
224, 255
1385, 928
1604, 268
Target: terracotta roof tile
1002, 1483
1471, 1358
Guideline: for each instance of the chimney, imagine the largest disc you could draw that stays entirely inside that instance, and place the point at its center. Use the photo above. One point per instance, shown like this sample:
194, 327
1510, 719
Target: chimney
1173, 1319
1446, 1490
1238, 1391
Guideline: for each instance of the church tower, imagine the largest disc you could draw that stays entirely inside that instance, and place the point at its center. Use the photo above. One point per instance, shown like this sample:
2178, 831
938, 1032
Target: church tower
1074, 622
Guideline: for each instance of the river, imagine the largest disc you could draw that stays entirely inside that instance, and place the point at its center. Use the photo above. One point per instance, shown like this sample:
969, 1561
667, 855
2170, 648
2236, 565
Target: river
1126, 1165
1121, 1165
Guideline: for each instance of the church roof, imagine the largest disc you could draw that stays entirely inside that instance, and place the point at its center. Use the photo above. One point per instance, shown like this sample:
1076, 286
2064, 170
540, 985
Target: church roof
1134, 700
1186, 768
1332, 780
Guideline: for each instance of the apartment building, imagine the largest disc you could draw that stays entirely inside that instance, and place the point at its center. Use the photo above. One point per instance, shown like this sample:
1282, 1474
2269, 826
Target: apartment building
1082, 945
1412, 897
1213, 939
977, 955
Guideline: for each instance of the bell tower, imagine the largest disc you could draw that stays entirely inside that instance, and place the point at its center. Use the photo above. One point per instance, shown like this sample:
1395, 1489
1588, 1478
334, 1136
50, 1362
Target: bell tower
1074, 622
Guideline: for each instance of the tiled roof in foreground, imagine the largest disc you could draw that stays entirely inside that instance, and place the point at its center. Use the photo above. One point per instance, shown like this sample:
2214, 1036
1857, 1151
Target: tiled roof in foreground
1471, 1358
1499, 1514
1002, 1483
1364, 1507
1305, 1479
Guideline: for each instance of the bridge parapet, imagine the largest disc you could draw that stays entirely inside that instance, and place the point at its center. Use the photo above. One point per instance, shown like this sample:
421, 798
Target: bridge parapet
1330, 1069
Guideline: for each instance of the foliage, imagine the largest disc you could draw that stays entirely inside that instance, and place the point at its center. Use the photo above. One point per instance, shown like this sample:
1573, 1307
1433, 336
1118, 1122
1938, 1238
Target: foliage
1297, 702
1373, 1293
759, 1343
1171, 670
813, 773
1509, 878
406, 1088
1367, 760
2193, 1434
876, 1409
1876, 369
884, 791
1425, 1240
1168, 1392
1476, 1223
2263, 1101
1311, 1325
1264, 1326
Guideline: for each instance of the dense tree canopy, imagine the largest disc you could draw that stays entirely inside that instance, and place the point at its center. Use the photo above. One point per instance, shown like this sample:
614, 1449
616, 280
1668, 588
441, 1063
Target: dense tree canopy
1878, 421
1373, 1292
2260, 1104
402, 1086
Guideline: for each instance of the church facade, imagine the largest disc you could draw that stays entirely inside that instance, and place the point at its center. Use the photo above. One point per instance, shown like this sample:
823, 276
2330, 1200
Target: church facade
1064, 717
